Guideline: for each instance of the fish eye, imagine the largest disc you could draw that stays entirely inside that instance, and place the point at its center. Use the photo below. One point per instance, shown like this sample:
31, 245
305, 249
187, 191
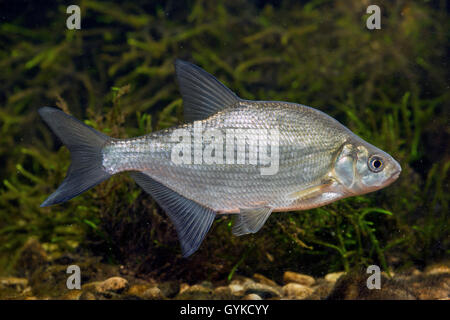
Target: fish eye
375, 164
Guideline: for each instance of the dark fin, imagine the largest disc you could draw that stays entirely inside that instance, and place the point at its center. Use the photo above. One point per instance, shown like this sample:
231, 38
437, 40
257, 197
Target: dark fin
192, 220
203, 95
85, 145
251, 220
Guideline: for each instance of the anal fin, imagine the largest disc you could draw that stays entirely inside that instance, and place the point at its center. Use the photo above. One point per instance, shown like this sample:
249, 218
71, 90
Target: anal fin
192, 220
250, 220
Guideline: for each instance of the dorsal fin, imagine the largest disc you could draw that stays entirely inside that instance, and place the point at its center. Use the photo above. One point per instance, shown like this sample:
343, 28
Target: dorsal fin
203, 95
192, 220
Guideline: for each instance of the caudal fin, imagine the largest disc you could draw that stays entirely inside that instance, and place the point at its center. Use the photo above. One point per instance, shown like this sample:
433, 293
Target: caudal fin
85, 145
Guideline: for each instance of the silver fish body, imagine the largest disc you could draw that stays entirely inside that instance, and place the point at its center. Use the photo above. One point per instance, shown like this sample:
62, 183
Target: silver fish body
309, 142
318, 160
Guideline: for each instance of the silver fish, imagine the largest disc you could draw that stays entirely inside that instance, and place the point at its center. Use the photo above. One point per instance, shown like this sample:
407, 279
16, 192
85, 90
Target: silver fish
318, 160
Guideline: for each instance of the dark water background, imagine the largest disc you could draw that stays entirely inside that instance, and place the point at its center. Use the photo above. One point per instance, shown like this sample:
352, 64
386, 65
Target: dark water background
390, 86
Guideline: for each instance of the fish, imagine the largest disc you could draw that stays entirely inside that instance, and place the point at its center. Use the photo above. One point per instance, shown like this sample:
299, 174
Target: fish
218, 162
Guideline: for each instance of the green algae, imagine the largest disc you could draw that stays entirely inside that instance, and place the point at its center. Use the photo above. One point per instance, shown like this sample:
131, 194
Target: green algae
116, 73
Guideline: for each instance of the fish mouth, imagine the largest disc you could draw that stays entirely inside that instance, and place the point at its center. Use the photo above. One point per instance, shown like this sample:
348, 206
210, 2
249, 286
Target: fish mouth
395, 175
397, 172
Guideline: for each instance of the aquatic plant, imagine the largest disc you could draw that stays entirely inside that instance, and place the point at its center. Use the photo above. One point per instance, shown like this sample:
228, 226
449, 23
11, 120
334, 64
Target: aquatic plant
388, 86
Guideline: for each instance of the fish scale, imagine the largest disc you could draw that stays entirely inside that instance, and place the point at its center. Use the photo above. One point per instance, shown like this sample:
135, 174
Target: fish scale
303, 158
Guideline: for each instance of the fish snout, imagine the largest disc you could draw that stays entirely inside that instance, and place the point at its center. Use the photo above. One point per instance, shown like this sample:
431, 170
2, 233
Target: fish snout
397, 169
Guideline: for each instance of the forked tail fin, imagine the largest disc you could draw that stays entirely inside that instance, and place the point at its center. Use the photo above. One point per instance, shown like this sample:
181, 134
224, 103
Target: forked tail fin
85, 145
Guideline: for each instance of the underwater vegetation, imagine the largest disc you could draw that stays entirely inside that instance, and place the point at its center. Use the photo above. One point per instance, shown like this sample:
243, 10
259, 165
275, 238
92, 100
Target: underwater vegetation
389, 86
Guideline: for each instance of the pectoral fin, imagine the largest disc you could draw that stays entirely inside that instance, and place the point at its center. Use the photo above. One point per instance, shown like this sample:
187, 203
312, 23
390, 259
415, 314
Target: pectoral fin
311, 192
250, 220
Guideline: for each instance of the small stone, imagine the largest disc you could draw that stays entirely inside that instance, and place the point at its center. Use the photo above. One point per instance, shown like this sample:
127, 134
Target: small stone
299, 278
207, 284
114, 284
236, 289
416, 272
110, 288
72, 295
169, 288
183, 287
91, 286
407, 274
27, 290
321, 290
196, 292
391, 274
296, 291
238, 279
199, 288
223, 293
18, 284
251, 296
153, 294
264, 280
138, 290
334, 276
86, 295
262, 290
437, 269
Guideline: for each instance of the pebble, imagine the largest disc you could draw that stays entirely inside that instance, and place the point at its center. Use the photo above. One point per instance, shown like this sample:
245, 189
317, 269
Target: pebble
72, 295
437, 269
262, 290
153, 294
18, 284
183, 287
334, 276
138, 290
236, 289
110, 288
86, 295
299, 278
223, 292
114, 284
264, 280
196, 292
169, 288
91, 286
296, 291
416, 272
251, 296
321, 290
